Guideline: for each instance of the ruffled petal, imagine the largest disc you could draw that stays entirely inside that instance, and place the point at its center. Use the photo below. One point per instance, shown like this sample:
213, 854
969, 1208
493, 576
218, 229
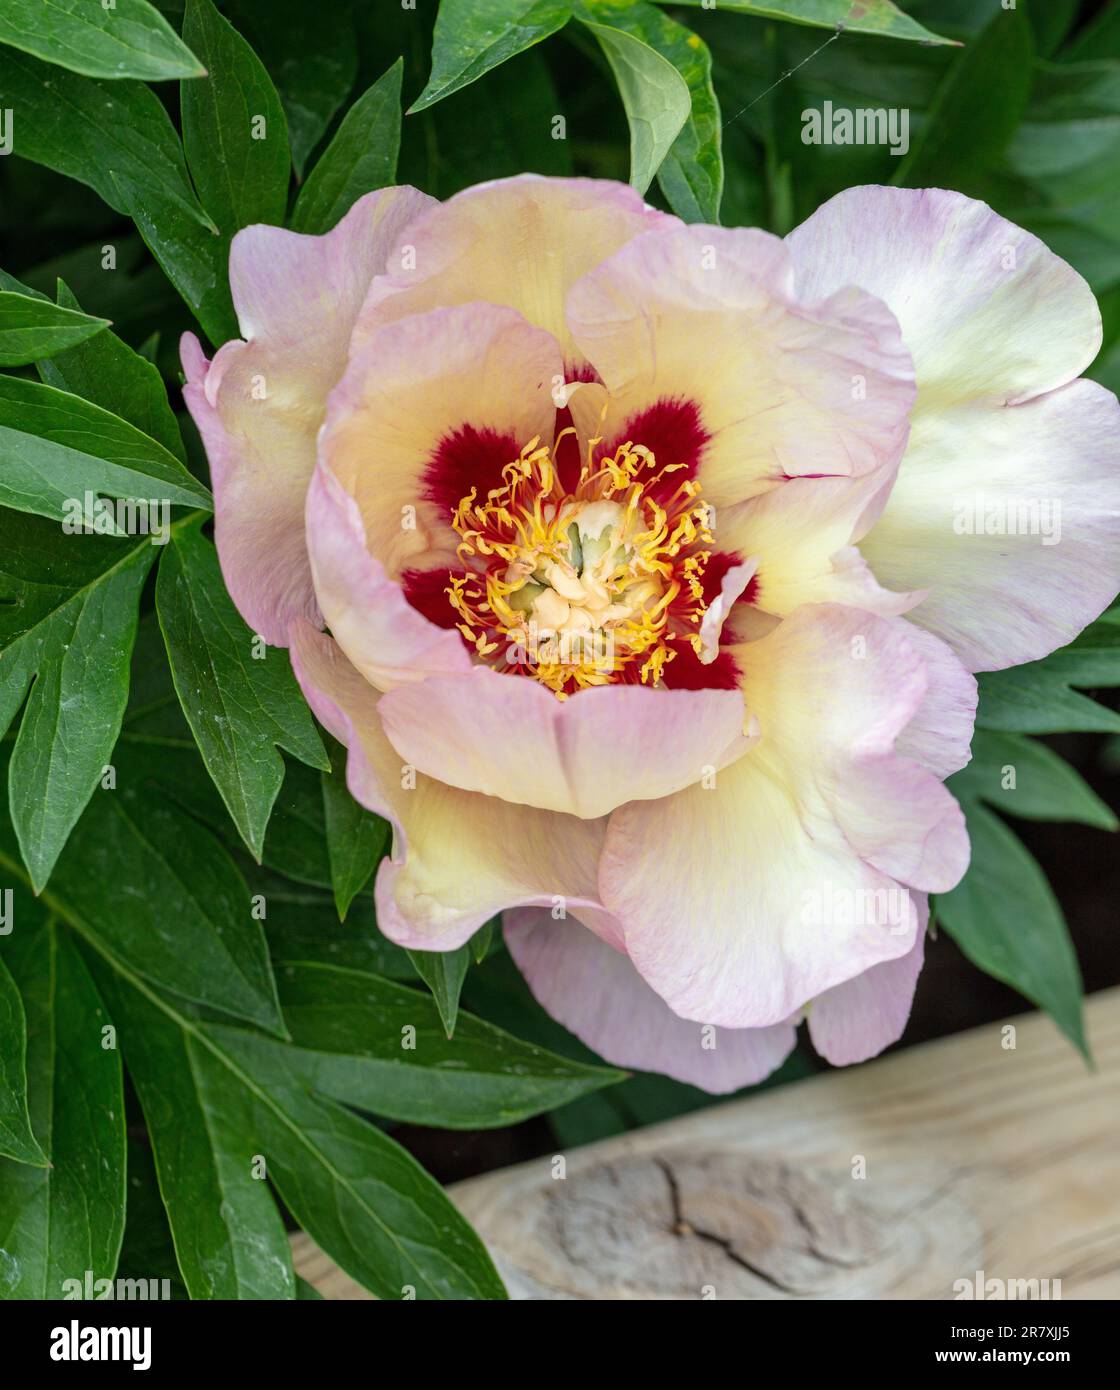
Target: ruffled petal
802, 537
259, 404
458, 858
510, 737
856, 1020
596, 993
522, 242
940, 734
1007, 506
1010, 518
701, 324
987, 312
743, 900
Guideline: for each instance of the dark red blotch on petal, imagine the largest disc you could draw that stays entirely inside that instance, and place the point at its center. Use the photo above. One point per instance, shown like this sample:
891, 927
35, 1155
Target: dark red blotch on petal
464, 459
686, 671
673, 430
426, 590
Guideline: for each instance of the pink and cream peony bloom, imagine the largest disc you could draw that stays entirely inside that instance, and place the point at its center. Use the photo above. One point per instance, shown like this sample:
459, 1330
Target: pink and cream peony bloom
625, 558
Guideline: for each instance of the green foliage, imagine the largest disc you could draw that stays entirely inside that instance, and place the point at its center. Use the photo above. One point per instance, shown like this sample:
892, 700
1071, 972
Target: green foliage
192, 884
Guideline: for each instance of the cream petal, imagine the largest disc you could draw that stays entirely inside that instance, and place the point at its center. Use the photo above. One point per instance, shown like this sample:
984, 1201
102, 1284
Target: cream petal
522, 242
742, 901
458, 857
704, 320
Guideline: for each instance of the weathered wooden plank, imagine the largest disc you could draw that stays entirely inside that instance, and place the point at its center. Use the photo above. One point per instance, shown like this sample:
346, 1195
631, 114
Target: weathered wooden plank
975, 1156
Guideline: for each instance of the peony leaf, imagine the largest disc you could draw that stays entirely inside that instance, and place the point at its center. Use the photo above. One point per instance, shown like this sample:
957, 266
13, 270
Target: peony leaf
16, 1139
159, 896
691, 175
58, 1222
235, 134
68, 639
56, 447
1005, 918
361, 157
356, 839
313, 64
229, 1238
129, 38
31, 328
1042, 696
108, 373
1022, 777
881, 18
655, 95
118, 138
473, 36
381, 1047
240, 698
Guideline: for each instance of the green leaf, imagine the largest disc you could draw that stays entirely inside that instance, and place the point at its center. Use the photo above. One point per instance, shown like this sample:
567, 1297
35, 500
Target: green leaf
67, 625
302, 925
356, 839
444, 972
16, 1139
977, 108
1040, 698
313, 64
382, 1047
107, 372
234, 130
1023, 778
473, 36
501, 126
31, 328
118, 138
1068, 144
691, 175
159, 896
241, 710
229, 1239
129, 38
360, 1196
1005, 918
361, 157
58, 1222
877, 17
56, 447
482, 942
655, 95
147, 1251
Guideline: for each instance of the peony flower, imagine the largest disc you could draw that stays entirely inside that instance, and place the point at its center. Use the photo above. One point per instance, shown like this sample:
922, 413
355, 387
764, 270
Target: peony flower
634, 564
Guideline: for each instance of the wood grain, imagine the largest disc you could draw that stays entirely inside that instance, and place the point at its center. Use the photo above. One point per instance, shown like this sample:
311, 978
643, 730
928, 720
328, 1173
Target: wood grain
976, 1157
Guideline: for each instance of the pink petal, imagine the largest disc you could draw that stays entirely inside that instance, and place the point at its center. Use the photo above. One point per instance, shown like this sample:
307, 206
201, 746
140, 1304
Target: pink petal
940, 734
458, 858
508, 736
997, 326
1046, 467
595, 992
743, 901
986, 311
369, 616
259, 404
857, 1019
